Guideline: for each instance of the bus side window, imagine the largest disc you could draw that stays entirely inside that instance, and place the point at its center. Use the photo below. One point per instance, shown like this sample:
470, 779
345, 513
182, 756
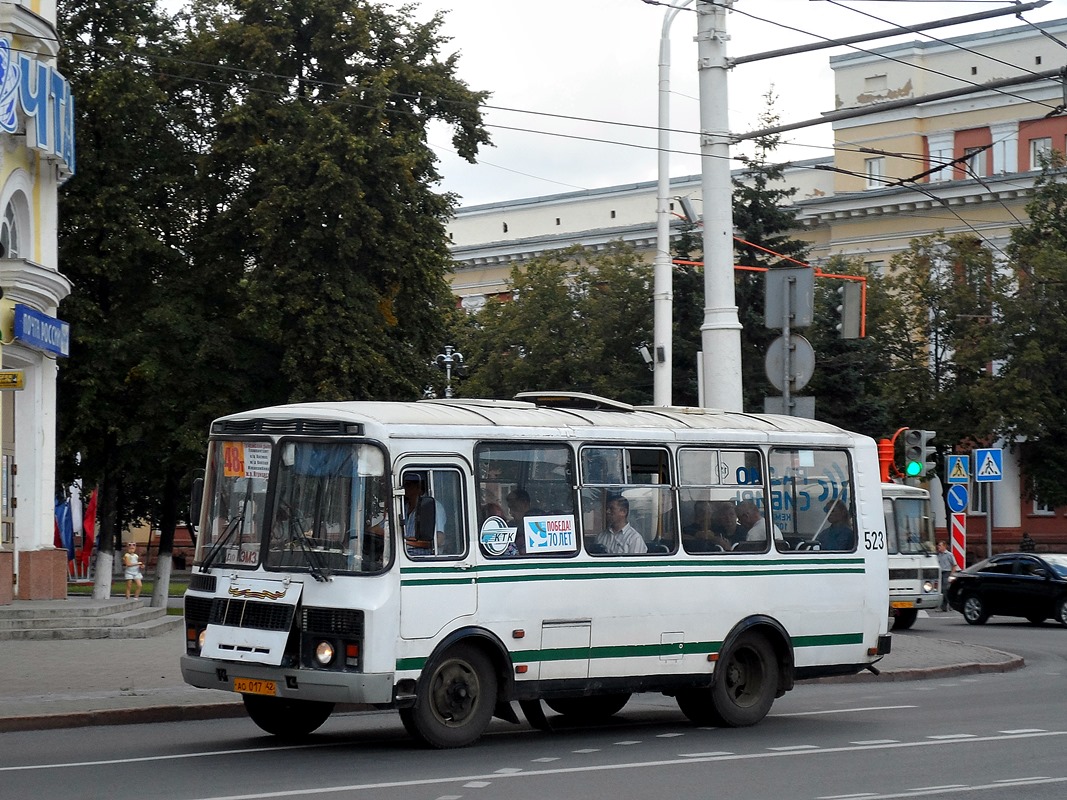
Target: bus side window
812, 499
435, 521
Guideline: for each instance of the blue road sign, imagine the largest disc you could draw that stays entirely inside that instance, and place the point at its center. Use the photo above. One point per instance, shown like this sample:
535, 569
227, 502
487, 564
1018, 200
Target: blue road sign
959, 469
989, 464
957, 499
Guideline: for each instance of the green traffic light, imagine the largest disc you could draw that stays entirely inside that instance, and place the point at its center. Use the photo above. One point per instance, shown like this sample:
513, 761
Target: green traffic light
913, 468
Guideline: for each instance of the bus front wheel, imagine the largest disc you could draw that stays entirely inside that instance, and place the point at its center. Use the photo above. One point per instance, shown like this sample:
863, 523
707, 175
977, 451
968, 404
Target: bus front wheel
904, 618
285, 717
455, 701
746, 683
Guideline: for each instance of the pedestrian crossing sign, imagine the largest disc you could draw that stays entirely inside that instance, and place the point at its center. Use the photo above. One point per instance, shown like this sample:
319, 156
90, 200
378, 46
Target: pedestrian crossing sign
989, 464
959, 469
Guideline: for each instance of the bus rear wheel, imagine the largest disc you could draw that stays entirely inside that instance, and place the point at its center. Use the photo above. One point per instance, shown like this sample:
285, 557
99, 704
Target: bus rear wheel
904, 618
589, 709
746, 683
285, 717
455, 700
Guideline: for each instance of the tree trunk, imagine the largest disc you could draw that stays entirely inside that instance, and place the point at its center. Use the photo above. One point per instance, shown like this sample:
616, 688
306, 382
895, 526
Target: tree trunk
106, 531
167, 521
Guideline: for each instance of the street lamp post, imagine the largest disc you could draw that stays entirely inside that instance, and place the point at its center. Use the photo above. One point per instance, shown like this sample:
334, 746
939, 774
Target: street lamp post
662, 272
445, 361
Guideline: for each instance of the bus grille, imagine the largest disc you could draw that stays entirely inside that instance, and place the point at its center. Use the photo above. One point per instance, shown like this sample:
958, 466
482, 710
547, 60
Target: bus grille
202, 583
251, 614
905, 574
310, 427
197, 610
339, 621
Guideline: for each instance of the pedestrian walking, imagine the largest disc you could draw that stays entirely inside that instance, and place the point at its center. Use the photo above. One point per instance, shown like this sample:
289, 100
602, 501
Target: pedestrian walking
1027, 545
131, 564
947, 565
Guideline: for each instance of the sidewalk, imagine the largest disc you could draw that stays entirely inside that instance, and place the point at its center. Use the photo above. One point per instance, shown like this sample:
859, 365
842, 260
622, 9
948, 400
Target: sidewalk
61, 684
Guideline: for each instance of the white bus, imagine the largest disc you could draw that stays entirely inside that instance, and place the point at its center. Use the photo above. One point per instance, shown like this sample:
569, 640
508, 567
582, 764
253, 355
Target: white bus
913, 571
361, 552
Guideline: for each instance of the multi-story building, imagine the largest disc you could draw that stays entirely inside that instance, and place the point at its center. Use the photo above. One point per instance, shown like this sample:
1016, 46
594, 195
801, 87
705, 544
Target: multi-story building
36, 156
962, 162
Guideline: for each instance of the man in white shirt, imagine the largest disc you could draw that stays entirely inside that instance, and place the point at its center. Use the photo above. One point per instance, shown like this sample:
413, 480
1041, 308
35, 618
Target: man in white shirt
414, 489
621, 537
750, 518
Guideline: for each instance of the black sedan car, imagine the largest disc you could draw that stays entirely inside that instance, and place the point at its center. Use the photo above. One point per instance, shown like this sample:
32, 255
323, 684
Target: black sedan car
1012, 585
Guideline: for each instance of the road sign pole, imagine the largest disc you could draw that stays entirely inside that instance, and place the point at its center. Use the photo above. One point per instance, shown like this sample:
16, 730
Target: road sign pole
989, 519
958, 544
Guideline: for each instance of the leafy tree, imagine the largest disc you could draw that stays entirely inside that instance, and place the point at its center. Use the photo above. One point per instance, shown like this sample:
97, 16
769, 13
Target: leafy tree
575, 323
117, 236
320, 180
1034, 395
949, 292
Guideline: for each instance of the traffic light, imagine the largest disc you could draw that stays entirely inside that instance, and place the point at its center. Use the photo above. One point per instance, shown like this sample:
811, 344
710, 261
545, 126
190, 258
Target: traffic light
849, 309
919, 454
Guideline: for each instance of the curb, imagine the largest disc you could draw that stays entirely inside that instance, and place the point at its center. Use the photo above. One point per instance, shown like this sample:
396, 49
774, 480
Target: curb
122, 716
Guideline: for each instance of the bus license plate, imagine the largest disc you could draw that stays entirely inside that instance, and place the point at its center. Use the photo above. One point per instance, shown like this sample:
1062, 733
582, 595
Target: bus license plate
254, 686
901, 604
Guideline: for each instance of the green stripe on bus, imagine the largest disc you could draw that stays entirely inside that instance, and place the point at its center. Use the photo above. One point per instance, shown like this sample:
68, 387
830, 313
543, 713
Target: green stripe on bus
467, 579
642, 650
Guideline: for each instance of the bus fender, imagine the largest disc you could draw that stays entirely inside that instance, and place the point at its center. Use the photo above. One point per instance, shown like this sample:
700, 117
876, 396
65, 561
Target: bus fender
498, 655
778, 638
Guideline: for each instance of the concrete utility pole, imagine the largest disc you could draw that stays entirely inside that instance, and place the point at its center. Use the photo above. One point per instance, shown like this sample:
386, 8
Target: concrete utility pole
663, 268
721, 330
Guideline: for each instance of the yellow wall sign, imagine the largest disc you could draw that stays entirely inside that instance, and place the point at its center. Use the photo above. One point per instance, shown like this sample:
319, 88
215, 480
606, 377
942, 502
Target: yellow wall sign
12, 379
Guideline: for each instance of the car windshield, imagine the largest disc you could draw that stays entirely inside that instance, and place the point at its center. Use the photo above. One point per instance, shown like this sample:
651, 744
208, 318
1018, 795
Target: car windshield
1058, 563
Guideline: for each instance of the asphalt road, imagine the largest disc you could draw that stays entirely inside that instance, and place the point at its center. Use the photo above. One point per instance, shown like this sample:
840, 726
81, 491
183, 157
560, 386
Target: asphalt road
987, 735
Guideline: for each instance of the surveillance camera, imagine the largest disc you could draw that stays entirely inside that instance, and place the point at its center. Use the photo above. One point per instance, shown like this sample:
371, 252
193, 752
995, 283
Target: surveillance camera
646, 356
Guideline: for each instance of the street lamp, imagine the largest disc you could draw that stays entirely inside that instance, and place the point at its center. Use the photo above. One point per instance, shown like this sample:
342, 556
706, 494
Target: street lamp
445, 361
662, 270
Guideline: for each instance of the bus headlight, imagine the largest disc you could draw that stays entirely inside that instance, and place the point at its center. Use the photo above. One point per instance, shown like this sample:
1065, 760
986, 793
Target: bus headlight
324, 653
928, 586
200, 639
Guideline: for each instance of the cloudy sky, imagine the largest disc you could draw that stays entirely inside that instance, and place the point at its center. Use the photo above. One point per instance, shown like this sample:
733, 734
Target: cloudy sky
549, 62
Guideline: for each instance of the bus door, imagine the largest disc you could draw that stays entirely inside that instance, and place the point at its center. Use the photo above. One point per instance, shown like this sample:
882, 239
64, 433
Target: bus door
437, 578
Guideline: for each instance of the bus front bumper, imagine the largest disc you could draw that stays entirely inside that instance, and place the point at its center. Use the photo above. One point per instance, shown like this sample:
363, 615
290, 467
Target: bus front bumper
326, 686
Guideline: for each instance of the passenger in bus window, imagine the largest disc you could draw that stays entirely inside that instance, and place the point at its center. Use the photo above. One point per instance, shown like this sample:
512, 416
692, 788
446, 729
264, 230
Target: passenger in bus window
712, 524
838, 535
620, 537
417, 544
754, 524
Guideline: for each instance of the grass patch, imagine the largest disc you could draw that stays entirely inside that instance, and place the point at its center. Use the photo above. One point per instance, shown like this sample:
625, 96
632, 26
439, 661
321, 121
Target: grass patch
118, 589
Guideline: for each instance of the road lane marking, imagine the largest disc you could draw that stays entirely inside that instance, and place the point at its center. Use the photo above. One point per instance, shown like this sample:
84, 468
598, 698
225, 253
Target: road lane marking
835, 711
880, 741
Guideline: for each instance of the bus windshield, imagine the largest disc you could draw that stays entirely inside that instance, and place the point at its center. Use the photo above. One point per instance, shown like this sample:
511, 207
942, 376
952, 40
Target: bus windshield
330, 509
906, 520
327, 510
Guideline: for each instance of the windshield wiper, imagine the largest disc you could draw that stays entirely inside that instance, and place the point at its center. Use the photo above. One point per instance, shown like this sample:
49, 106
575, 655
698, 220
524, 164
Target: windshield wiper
318, 570
232, 525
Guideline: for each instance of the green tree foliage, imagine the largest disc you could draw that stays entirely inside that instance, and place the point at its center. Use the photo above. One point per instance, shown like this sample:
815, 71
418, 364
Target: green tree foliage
949, 292
1034, 395
575, 323
320, 184
118, 235
762, 219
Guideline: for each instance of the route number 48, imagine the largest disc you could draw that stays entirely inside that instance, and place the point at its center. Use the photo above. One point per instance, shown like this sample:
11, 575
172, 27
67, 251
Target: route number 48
874, 540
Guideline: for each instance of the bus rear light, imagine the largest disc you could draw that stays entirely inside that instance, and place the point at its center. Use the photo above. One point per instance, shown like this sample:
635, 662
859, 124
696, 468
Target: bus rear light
518, 633
521, 669
713, 657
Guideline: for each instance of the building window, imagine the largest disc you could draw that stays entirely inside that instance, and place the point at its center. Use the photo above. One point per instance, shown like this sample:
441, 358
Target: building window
975, 163
505, 227
1040, 149
557, 220
875, 168
613, 214
941, 157
1042, 509
9, 233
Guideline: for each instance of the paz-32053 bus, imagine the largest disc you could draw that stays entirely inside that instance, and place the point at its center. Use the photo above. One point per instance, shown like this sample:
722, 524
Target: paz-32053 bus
449, 558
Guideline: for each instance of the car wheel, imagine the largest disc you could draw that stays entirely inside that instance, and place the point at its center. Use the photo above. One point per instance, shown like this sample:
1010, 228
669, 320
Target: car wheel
1061, 611
974, 610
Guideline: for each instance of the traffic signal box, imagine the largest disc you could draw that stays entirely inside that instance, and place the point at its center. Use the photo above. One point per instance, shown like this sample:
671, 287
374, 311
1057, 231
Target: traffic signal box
919, 454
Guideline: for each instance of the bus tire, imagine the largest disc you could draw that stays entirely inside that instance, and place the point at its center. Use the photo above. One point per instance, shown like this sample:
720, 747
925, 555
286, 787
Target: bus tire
455, 702
696, 705
746, 683
285, 717
589, 709
974, 610
905, 618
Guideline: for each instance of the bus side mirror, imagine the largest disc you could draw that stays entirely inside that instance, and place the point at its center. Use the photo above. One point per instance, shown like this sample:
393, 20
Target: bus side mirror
426, 519
196, 498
